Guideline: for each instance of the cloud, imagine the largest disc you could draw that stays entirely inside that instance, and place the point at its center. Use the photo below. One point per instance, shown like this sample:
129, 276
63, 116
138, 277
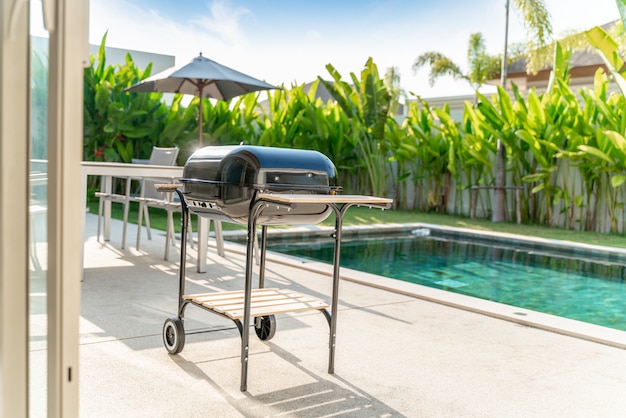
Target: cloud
223, 22
130, 26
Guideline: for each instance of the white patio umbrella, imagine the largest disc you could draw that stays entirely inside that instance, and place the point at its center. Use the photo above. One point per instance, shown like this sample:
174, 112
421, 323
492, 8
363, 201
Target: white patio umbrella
202, 77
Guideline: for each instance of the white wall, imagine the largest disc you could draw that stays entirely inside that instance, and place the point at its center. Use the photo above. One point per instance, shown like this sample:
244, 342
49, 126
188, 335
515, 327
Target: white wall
115, 56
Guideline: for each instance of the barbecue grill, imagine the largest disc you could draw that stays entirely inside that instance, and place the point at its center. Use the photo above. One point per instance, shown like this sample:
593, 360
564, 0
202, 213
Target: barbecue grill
259, 186
222, 182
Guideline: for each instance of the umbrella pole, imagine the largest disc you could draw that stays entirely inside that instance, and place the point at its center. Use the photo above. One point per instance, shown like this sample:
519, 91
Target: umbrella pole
200, 87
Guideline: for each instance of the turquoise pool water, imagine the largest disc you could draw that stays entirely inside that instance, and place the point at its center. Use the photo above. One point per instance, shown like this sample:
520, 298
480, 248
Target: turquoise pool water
565, 285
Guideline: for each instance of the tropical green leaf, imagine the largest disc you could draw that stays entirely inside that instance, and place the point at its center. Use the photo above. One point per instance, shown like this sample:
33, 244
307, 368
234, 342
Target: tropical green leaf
595, 152
506, 107
538, 188
618, 180
609, 51
617, 140
579, 201
534, 177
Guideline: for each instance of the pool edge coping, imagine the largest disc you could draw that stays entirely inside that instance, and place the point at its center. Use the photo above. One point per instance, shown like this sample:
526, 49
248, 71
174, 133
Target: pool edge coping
321, 231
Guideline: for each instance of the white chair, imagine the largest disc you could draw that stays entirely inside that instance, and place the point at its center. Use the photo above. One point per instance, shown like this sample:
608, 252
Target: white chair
150, 197
159, 156
166, 202
113, 197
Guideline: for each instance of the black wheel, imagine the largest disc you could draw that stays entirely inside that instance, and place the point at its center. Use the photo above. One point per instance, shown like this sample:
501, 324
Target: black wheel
265, 327
173, 335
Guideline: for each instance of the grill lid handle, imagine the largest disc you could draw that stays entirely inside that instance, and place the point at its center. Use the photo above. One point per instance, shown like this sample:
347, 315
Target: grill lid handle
167, 187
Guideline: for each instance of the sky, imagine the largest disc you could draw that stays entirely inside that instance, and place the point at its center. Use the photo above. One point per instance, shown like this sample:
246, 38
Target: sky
286, 42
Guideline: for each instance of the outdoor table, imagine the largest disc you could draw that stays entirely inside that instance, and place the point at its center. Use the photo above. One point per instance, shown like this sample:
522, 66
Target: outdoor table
108, 170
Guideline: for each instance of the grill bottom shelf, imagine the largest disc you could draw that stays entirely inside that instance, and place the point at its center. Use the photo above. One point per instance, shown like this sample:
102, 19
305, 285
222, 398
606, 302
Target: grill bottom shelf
263, 302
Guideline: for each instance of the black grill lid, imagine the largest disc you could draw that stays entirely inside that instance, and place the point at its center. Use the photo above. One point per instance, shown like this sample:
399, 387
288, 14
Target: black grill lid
222, 182
265, 165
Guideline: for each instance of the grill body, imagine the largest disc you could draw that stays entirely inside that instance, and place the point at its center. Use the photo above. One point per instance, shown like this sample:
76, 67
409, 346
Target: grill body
222, 182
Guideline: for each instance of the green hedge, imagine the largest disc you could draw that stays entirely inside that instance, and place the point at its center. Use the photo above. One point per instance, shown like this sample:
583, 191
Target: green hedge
565, 148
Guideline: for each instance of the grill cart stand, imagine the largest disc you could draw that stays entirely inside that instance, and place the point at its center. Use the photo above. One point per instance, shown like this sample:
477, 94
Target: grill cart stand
262, 303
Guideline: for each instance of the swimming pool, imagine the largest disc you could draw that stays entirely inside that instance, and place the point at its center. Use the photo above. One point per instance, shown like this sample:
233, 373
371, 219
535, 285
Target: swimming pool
558, 283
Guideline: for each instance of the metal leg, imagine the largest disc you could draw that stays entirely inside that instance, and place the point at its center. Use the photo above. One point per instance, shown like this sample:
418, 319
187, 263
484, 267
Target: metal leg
203, 235
106, 208
100, 217
147, 216
126, 209
139, 223
332, 317
262, 252
334, 303
245, 335
257, 257
184, 219
170, 238
190, 233
219, 237
339, 212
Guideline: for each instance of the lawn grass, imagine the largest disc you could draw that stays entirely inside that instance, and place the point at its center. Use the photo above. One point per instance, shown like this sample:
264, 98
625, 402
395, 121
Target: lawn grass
366, 216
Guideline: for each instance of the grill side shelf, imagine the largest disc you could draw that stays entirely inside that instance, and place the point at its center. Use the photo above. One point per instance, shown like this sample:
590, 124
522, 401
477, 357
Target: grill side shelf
358, 200
264, 302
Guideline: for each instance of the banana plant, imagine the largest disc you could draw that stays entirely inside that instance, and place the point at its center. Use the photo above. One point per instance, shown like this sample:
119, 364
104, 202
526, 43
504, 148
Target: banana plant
404, 151
543, 134
582, 149
451, 134
604, 162
367, 103
609, 51
478, 147
499, 119
601, 156
617, 176
430, 156
116, 123
176, 125
248, 116
549, 117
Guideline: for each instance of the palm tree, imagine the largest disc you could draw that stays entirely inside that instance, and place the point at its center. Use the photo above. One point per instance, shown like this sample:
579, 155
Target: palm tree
538, 29
539, 32
482, 66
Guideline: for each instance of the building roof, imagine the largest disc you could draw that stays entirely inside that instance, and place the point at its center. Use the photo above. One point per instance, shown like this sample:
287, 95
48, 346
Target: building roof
579, 59
583, 65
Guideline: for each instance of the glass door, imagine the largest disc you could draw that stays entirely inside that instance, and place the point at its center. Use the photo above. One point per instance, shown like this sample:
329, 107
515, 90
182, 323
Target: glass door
38, 205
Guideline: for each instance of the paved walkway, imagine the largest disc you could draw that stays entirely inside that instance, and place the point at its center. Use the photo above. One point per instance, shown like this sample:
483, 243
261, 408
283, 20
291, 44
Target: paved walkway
396, 355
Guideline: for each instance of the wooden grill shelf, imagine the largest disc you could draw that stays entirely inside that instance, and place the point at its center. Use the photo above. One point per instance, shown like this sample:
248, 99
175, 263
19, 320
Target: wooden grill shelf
263, 302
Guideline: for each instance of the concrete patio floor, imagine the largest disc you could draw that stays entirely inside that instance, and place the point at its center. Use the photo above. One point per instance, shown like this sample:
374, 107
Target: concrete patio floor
396, 355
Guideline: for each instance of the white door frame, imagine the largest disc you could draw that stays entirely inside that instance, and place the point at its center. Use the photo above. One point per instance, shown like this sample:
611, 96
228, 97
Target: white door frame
14, 203
67, 23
